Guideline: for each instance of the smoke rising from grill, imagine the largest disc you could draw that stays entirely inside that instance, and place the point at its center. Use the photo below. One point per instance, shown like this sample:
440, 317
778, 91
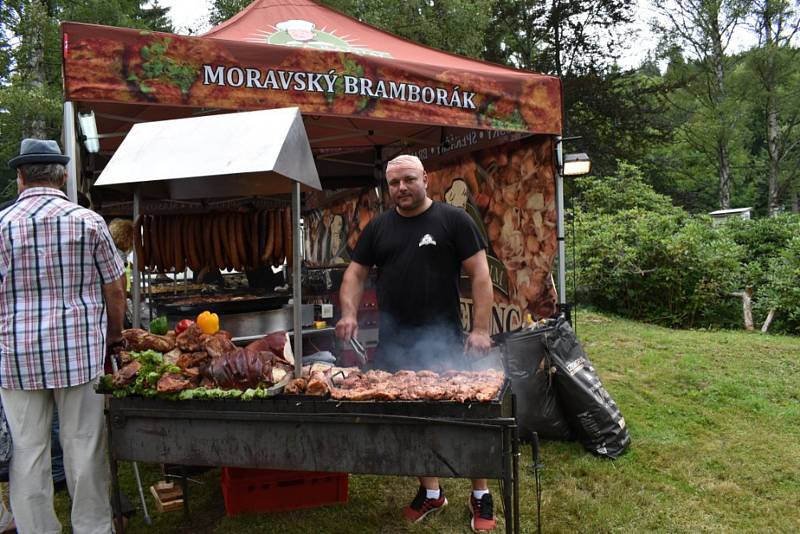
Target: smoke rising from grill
432, 347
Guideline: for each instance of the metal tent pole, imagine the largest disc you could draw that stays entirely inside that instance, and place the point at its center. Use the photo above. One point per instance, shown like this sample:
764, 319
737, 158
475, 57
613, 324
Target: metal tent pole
296, 282
136, 290
562, 258
114, 467
70, 149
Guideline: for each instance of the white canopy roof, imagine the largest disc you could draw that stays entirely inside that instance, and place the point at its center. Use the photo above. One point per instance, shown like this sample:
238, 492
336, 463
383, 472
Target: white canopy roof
215, 156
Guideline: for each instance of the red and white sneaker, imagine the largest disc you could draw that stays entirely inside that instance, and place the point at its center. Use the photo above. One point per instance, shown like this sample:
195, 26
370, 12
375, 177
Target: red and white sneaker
482, 513
421, 506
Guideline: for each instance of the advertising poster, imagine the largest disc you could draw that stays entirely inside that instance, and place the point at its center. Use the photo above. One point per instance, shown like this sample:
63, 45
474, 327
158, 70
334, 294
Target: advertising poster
508, 190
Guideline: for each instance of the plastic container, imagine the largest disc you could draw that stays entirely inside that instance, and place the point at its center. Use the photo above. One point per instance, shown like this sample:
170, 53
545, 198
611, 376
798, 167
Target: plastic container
267, 490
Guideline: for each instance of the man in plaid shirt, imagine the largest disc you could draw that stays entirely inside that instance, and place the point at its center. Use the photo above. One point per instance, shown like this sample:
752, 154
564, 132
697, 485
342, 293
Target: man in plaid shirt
62, 302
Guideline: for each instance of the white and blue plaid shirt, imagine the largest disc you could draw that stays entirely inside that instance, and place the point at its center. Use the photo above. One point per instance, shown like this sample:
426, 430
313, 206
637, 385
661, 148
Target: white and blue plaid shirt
55, 257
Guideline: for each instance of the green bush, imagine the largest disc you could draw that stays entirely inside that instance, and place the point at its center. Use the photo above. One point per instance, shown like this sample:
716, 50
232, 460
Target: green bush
624, 191
764, 242
656, 267
640, 256
782, 289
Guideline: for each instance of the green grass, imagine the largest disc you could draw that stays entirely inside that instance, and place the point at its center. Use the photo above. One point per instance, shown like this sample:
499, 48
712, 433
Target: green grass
715, 422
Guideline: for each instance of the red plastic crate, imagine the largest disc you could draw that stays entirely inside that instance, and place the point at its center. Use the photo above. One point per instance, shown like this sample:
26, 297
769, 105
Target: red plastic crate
268, 490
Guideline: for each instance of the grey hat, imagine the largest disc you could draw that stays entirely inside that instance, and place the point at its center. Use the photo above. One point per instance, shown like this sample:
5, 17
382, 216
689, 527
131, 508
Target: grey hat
38, 151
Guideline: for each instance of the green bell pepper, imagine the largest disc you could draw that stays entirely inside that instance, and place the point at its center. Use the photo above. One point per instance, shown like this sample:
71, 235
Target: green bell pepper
159, 325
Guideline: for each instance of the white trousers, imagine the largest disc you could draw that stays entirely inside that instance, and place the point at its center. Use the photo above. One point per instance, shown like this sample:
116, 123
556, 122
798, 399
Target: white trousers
83, 438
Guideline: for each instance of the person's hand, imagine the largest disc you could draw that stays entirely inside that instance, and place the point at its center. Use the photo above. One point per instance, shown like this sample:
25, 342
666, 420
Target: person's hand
347, 328
114, 343
478, 343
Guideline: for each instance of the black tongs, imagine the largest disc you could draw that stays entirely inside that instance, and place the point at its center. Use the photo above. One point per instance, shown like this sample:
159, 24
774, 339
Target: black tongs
361, 352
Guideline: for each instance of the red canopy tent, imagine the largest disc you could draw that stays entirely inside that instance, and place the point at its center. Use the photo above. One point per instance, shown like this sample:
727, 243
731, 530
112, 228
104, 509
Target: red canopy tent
383, 89
365, 96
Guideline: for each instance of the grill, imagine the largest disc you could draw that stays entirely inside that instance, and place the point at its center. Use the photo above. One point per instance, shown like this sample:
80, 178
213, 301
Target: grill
238, 302
245, 314
433, 438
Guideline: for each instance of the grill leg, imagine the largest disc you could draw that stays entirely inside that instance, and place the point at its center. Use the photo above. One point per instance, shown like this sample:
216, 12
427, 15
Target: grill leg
114, 479
185, 490
515, 462
508, 482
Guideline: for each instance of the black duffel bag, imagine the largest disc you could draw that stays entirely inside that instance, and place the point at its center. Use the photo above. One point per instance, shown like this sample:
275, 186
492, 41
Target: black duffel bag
530, 370
590, 410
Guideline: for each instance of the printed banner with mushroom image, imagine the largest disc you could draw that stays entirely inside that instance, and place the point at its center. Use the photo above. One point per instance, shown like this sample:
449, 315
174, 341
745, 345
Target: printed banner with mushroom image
508, 190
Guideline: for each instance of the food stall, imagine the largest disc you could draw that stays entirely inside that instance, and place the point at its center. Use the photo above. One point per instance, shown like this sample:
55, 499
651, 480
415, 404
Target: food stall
219, 156
487, 135
424, 424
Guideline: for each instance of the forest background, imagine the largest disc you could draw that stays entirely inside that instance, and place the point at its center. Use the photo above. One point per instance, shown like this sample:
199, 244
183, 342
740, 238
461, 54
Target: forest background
697, 126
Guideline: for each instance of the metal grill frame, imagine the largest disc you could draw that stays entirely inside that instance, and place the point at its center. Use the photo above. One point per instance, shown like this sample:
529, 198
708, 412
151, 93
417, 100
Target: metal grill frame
478, 440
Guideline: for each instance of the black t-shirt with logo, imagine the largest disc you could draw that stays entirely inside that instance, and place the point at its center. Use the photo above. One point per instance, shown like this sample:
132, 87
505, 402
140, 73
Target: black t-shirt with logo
419, 263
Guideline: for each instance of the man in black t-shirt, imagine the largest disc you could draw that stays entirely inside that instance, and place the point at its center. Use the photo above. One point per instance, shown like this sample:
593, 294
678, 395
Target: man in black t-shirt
420, 248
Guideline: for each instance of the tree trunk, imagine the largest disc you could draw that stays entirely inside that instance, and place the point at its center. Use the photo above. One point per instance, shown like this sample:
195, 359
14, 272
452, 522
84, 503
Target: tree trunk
773, 130
717, 58
768, 321
747, 306
773, 133
555, 16
724, 175
35, 126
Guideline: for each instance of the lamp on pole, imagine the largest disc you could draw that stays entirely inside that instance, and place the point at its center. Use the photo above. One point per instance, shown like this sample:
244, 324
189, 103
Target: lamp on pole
577, 164
567, 165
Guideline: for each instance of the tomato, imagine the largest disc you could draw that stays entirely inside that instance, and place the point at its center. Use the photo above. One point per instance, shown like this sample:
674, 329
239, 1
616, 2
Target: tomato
183, 325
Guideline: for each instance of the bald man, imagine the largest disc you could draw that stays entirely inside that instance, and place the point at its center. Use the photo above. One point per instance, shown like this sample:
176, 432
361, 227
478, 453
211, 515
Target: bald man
420, 248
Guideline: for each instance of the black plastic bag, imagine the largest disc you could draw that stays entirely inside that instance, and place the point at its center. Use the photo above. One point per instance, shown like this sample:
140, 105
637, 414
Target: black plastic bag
529, 368
590, 410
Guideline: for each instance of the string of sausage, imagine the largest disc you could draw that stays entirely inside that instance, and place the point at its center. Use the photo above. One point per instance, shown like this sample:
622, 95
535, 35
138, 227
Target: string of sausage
234, 240
277, 232
287, 235
137, 241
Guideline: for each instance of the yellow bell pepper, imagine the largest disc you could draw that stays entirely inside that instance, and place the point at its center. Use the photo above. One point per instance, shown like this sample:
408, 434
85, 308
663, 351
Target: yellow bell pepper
208, 322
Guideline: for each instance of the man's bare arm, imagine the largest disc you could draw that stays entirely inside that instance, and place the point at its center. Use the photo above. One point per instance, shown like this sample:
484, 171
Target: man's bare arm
477, 267
114, 296
349, 298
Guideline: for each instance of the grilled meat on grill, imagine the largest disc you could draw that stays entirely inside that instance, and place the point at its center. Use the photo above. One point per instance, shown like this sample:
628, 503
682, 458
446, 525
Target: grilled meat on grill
280, 369
217, 344
458, 386
192, 359
172, 356
189, 340
193, 374
133, 336
219, 363
376, 376
124, 357
296, 386
139, 340
318, 384
162, 344
173, 383
239, 369
273, 343
126, 375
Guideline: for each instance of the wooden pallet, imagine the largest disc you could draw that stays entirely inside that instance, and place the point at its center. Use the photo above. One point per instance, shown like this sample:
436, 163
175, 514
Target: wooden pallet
167, 496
